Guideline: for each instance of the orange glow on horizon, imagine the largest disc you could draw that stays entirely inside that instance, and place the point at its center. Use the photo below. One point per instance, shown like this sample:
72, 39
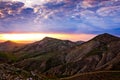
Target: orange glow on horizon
32, 37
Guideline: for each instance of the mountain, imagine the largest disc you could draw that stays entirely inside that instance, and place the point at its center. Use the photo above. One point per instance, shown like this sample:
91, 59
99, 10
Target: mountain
9, 46
100, 53
65, 58
56, 58
44, 54
45, 46
97, 45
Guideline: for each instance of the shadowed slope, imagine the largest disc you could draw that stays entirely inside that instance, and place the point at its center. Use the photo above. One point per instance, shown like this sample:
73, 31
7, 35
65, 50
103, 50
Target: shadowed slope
100, 75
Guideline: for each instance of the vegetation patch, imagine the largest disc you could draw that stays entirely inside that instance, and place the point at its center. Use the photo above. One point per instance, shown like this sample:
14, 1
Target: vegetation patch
9, 57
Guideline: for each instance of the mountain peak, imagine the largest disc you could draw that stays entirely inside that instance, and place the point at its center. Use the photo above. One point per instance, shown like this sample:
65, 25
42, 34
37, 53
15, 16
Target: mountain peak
8, 42
49, 39
106, 34
105, 37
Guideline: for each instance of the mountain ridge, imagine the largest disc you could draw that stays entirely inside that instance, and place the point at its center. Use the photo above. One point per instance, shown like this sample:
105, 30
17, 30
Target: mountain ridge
9, 46
62, 58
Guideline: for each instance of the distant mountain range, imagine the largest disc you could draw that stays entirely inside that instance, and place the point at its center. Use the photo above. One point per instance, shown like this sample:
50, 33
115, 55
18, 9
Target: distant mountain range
54, 59
9, 46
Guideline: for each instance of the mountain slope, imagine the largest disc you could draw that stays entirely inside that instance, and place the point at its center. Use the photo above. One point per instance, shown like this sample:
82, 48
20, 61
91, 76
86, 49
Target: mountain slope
9, 72
6, 51
47, 45
45, 54
100, 53
63, 58
100, 75
99, 43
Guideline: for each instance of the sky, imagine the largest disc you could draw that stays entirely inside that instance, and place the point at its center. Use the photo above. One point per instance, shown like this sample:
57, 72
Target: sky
73, 19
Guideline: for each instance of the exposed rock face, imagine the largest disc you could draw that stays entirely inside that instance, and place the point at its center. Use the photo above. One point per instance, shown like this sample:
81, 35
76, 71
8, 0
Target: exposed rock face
8, 72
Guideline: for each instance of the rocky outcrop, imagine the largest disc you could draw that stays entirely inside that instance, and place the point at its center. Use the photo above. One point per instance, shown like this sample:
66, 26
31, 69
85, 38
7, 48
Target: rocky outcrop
9, 72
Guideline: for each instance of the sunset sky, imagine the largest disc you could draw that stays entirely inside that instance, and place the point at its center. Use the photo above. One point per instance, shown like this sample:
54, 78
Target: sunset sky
32, 20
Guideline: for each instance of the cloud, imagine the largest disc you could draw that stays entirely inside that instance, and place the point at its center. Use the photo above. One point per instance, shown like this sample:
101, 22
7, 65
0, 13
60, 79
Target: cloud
109, 11
60, 16
9, 9
14, 16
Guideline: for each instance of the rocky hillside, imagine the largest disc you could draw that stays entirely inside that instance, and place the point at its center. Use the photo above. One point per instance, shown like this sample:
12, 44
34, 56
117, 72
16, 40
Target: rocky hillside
9, 72
100, 75
45, 46
63, 58
100, 53
56, 58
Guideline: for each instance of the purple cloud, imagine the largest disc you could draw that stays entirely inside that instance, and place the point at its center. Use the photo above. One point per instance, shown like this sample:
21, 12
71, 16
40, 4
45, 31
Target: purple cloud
62, 16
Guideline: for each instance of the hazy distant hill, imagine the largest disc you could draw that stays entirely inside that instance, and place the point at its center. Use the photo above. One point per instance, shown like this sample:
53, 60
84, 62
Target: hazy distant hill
9, 46
62, 58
